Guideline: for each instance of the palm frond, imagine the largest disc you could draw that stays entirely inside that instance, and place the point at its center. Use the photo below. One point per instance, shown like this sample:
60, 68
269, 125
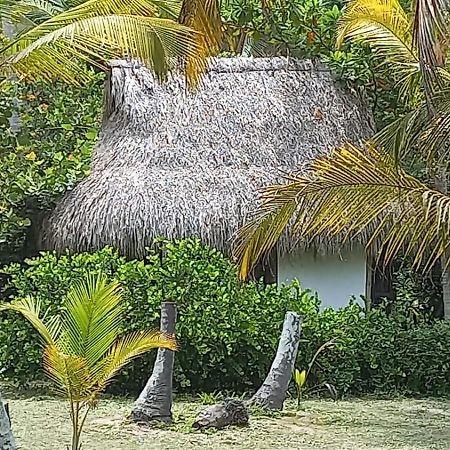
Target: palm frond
25, 12
99, 30
400, 138
91, 318
385, 26
128, 348
99, 39
69, 374
332, 199
30, 308
419, 135
430, 33
202, 16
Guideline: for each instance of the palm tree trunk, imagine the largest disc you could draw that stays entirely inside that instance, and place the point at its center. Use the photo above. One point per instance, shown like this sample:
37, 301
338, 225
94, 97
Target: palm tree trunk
442, 184
6, 437
272, 393
14, 120
155, 401
445, 279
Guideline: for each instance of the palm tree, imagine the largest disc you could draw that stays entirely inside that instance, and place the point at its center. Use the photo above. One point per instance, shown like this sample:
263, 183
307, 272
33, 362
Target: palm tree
6, 438
55, 38
83, 348
366, 191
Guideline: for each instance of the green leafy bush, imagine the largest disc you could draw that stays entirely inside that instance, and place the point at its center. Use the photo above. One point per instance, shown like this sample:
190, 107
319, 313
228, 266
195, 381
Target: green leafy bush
229, 330
48, 155
381, 351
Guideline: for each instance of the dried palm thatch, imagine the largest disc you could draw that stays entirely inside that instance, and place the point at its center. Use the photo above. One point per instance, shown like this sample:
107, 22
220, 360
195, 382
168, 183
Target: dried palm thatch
175, 163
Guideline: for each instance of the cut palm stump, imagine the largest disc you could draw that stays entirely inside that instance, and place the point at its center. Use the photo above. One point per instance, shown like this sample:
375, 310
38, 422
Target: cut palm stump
155, 401
272, 393
6, 438
230, 412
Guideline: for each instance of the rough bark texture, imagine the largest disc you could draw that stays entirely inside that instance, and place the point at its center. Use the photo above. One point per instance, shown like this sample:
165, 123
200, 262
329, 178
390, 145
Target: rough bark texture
155, 401
230, 412
442, 184
6, 437
272, 393
445, 279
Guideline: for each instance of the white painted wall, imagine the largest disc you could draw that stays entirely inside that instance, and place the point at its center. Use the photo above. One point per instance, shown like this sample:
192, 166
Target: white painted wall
334, 277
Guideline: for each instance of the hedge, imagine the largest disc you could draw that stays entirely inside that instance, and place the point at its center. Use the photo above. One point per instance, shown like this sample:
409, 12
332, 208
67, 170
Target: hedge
228, 330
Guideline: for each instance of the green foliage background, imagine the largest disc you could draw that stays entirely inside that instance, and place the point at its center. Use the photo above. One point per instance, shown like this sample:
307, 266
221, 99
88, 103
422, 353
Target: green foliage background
229, 331
52, 151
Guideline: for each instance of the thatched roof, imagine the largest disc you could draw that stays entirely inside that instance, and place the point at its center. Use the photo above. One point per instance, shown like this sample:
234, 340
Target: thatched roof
175, 164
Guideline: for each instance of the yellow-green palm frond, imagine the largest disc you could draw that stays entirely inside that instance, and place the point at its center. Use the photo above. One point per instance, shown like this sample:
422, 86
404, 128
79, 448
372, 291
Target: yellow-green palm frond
256, 238
417, 135
96, 8
97, 31
400, 138
351, 192
202, 16
92, 316
28, 12
383, 24
386, 27
128, 348
83, 351
70, 374
30, 308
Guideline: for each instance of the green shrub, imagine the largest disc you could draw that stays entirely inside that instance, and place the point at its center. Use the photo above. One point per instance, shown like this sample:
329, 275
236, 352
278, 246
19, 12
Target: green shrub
49, 154
381, 352
229, 330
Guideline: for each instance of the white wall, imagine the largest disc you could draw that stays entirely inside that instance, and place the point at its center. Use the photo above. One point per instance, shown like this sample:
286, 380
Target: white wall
334, 277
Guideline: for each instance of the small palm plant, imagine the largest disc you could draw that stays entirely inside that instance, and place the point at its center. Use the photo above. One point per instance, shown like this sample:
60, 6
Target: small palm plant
83, 350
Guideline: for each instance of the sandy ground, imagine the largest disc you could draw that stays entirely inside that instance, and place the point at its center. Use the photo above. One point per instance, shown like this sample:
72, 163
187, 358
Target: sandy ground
41, 423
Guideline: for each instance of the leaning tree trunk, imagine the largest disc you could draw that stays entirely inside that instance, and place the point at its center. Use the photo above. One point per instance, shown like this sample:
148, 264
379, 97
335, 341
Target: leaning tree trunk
6, 436
155, 401
272, 393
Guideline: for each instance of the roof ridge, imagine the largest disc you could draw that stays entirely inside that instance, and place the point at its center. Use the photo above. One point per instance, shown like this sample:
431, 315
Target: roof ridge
241, 64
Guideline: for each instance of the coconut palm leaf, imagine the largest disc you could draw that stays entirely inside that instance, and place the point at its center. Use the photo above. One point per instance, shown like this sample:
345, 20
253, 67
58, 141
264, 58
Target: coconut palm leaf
29, 11
99, 39
92, 317
83, 349
96, 31
204, 17
332, 199
128, 348
430, 33
419, 135
386, 28
70, 374
48, 328
400, 40
401, 137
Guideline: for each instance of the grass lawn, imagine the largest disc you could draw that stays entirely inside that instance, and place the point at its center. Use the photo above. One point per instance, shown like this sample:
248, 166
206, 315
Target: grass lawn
41, 423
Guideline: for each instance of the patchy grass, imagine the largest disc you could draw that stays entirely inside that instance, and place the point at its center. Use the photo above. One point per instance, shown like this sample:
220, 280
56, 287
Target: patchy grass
41, 423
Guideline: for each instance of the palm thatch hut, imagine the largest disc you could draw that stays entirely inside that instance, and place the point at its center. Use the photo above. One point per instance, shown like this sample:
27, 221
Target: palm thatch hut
176, 164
